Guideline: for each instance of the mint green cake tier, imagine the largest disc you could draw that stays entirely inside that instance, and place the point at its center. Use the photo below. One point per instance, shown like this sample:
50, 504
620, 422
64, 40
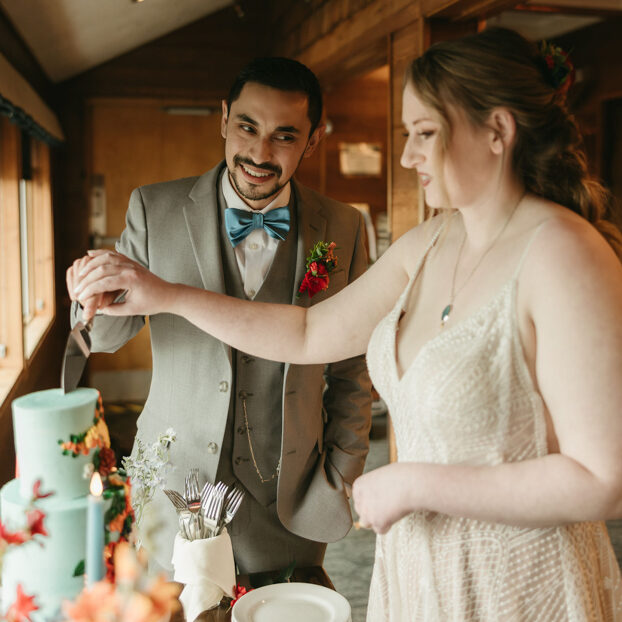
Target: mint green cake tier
44, 566
40, 420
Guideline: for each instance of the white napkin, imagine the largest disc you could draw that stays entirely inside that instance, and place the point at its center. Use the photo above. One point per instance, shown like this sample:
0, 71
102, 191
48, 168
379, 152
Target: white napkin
207, 569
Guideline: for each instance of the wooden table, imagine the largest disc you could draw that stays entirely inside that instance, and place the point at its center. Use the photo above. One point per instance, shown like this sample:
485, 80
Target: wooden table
313, 574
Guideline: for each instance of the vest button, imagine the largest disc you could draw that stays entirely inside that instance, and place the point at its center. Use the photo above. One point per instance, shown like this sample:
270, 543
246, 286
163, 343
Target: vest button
212, 447
223, 387
241, 430
238, 460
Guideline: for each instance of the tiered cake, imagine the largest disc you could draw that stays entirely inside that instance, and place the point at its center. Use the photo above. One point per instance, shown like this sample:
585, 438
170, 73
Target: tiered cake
45, 568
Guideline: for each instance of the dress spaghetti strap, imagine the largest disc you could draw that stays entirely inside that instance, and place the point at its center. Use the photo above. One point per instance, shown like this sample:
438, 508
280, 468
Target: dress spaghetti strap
533, 236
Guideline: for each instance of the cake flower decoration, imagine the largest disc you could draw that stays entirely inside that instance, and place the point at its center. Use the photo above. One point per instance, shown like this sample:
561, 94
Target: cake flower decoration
119, 517
132, 596
320, 263
24, 605
21, 609
34, 522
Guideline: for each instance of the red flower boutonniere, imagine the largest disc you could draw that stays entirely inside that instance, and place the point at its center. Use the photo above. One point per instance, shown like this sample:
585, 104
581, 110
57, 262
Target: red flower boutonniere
320, 263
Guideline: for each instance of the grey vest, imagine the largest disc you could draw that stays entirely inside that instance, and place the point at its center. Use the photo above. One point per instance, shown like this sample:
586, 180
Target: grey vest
256, 381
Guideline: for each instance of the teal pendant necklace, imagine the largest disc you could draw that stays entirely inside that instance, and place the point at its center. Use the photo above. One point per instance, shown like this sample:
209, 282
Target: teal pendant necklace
445, 315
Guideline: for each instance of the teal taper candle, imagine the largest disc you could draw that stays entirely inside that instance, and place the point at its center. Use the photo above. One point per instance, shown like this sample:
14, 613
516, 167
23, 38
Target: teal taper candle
95, 532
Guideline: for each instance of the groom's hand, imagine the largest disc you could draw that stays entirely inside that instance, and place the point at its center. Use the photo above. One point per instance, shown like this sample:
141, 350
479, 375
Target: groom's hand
89, 305
107, 273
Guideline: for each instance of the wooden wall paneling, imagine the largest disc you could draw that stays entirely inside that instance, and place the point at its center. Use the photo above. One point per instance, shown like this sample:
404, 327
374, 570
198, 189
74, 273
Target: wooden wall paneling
135, 142
358, 110
403, 200
596, 52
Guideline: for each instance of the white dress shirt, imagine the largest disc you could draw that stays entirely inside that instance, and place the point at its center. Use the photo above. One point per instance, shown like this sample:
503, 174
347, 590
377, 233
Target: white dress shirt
256, 252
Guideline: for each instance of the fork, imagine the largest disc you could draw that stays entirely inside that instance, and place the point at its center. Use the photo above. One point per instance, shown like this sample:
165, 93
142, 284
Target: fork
206, 493
192, 494
176, 499
234, 501
213, 510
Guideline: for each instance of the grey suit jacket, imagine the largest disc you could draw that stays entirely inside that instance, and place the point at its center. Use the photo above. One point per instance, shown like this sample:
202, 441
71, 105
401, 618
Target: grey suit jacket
172, 229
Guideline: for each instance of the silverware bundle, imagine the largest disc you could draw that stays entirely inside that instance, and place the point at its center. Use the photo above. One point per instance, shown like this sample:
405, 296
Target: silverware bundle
204, 512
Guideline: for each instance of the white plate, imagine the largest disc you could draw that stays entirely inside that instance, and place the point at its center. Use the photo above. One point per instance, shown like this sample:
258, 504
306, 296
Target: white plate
284, 602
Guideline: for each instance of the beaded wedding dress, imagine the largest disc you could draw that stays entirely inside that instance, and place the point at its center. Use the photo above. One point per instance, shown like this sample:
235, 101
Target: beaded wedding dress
468, 398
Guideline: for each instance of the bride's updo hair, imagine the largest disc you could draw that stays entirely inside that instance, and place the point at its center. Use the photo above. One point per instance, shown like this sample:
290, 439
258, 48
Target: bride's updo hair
500, 68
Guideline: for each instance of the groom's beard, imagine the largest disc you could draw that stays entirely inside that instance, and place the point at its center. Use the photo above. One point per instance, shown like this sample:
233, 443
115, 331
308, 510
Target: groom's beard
251, 192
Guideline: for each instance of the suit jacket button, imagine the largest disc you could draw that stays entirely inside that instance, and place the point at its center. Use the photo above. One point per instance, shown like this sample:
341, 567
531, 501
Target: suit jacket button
223, 387
238, 460
212, 447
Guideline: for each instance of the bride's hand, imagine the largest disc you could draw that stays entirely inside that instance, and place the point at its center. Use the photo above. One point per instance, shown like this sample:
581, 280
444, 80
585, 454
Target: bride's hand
107, 273
381, 497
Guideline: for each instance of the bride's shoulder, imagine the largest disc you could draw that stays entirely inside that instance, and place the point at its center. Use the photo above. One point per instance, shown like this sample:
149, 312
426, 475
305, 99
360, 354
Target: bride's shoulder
412, 245
566, 251
563, 239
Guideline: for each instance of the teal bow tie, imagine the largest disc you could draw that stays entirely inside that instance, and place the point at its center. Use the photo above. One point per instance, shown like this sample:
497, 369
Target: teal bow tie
240, 223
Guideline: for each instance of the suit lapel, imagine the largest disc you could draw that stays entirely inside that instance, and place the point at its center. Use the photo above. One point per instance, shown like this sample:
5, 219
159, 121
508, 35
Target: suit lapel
202, 220
311, 229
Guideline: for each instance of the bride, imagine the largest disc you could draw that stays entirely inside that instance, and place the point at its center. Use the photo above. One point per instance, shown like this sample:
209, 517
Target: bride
493, 333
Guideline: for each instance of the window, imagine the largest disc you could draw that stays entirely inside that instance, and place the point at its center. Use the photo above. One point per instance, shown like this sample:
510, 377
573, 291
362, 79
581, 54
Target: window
36, 243
26, 250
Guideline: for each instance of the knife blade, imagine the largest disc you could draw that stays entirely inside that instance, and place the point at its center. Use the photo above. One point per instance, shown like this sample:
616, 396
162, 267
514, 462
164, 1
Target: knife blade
78, 349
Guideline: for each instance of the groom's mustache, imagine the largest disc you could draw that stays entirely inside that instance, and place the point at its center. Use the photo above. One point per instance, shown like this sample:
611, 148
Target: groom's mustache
265, 166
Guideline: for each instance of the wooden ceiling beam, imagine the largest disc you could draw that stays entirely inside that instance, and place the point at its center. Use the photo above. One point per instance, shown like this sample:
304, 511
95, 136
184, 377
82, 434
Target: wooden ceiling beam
359, 40
567, 9
464, 9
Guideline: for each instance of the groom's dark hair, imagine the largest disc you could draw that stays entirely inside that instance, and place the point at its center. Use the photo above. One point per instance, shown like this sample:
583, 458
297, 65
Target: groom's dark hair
284, 74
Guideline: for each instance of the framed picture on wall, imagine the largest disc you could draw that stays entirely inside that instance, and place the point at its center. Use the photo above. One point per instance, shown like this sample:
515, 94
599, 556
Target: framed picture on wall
360, 159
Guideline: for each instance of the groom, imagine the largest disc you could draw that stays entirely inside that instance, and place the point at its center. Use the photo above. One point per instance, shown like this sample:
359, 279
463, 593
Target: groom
295, 437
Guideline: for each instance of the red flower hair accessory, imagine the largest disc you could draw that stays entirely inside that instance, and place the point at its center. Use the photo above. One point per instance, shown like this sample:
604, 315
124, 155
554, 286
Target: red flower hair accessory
559, 70
320, 263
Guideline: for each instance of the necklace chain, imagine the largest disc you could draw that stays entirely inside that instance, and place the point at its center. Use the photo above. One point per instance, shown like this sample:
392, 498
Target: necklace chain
450, 305
262, 479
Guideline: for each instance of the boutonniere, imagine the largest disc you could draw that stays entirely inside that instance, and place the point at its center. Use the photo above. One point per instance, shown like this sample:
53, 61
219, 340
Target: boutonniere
320, 263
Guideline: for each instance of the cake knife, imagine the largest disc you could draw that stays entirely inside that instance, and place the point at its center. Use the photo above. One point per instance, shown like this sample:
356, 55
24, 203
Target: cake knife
77, 351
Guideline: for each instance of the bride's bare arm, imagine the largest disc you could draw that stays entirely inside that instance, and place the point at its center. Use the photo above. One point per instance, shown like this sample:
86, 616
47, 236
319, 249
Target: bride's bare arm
571, 287
334, 329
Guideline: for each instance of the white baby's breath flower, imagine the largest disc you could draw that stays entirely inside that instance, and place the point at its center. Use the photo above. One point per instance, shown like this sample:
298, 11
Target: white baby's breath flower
147, 469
